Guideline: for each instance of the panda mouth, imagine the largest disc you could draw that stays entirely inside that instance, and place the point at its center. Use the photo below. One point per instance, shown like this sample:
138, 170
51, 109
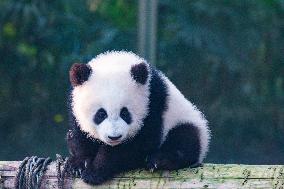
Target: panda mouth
113, 143
114, 140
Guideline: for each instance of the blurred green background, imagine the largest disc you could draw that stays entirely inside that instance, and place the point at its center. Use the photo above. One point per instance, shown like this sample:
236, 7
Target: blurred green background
225, 56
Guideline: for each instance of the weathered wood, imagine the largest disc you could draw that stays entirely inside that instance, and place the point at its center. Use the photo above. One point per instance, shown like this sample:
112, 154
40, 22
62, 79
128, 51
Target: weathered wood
209, 176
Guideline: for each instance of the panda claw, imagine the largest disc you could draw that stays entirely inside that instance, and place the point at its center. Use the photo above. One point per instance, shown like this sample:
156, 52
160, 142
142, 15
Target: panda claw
155, 165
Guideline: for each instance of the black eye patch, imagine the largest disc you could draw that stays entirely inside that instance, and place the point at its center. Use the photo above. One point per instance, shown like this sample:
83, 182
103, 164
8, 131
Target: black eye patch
125, 115
100, 116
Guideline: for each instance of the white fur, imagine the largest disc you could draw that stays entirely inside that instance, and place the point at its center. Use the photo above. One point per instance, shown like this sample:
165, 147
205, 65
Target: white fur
180, 110
111, 87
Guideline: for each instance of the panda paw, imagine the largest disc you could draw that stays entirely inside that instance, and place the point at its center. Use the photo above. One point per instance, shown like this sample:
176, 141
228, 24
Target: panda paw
157, 162
92, 177
77, 165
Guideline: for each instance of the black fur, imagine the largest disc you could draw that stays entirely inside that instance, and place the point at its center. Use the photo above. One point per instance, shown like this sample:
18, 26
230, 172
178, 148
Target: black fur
125, 115
180, 149
79, 73
100, 116
139, 73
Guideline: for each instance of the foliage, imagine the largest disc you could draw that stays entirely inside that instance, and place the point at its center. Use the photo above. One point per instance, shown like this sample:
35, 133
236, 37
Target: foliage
226, 56
39, 42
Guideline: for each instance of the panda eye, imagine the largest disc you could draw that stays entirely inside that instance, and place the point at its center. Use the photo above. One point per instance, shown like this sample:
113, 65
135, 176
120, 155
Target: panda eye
125, 115
100, 116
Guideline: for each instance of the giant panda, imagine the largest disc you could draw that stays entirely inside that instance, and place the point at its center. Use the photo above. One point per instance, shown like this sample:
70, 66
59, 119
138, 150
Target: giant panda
125, 114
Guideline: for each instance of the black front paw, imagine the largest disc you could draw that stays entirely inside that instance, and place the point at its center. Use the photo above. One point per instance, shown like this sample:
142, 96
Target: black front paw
76, 165
152, 163
158, 162
92, 177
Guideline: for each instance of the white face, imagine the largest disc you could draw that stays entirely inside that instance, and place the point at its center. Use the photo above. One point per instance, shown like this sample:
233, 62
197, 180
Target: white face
110, 105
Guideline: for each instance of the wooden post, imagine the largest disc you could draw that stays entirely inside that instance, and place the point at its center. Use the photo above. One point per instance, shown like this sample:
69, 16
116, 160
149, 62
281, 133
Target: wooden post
209, 176
147, 29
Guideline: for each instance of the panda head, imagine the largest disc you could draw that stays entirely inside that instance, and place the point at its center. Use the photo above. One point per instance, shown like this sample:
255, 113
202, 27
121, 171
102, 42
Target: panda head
110, 96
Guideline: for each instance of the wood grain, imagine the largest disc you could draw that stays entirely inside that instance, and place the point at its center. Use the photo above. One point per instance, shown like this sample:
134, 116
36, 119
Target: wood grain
208, 176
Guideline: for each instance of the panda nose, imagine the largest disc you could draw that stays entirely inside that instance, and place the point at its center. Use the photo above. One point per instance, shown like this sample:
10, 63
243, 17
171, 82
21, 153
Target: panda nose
115, 137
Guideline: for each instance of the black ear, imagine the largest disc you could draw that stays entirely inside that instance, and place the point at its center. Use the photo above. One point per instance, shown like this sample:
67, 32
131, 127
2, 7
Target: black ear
139, 73
79, 73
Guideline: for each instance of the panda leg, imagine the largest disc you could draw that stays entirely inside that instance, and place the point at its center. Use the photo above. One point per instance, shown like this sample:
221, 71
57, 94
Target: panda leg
82, 151
180, 149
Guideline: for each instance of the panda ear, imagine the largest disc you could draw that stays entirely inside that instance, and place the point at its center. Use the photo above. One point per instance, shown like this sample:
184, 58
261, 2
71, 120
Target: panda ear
79, 73
140, 73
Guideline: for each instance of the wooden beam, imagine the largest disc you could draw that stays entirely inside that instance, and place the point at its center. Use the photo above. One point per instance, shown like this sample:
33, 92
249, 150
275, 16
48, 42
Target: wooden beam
209, 176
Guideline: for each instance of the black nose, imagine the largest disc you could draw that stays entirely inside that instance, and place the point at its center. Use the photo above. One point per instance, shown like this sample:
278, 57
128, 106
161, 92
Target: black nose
114, 137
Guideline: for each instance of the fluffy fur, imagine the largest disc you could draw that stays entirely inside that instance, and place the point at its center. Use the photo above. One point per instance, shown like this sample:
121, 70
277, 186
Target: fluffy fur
165, 128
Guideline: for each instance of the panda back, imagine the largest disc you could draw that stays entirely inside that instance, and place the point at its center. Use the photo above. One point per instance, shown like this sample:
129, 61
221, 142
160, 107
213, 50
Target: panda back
182, 111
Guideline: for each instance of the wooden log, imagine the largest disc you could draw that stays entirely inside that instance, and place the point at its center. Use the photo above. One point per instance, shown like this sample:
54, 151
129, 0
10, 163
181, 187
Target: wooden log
208, 176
